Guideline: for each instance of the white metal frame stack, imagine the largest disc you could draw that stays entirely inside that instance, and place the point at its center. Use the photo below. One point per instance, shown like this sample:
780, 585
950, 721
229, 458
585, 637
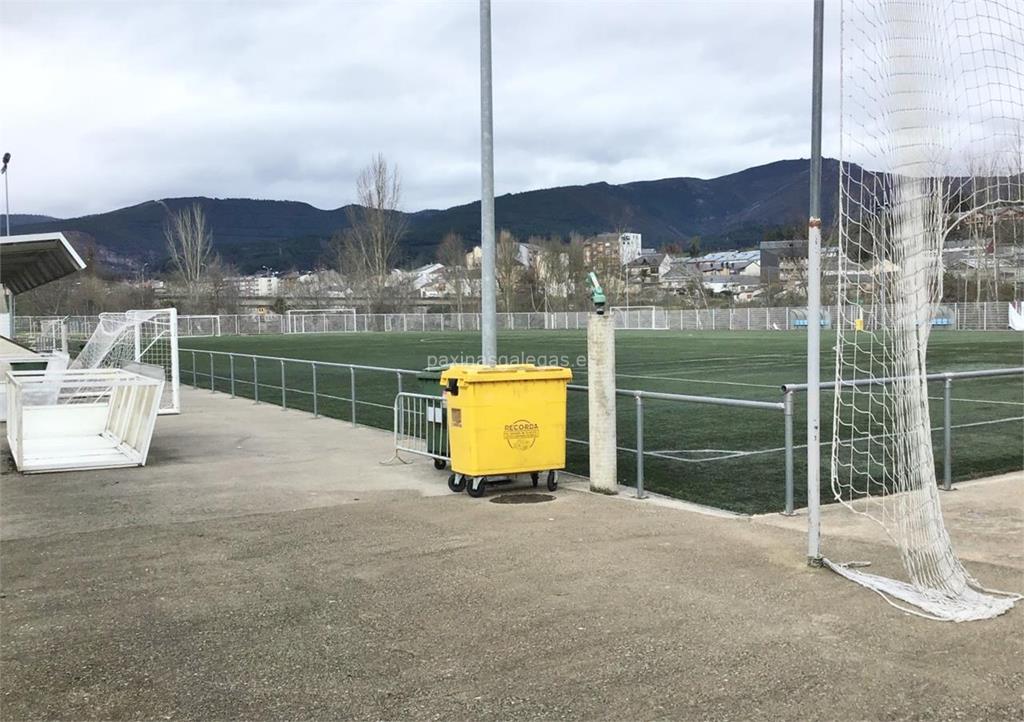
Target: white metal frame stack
81, 419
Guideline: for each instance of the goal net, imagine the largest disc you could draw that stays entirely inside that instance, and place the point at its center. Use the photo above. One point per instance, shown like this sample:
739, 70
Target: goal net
149, 336
932, 139
638, 318
199, 325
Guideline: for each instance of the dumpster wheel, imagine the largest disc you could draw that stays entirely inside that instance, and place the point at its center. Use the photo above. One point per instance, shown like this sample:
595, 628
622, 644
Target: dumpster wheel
457, 483
439, 463
479, 490
535, 478
552, 480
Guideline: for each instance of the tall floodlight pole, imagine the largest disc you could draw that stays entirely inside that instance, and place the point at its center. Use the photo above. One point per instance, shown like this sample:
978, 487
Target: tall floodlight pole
488, 292
7, 195
814, 305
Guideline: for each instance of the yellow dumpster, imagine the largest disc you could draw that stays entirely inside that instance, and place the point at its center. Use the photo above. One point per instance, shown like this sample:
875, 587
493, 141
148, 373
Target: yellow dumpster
505, 420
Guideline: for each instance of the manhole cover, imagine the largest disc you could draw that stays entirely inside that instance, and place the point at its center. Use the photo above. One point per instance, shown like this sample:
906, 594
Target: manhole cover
522, 498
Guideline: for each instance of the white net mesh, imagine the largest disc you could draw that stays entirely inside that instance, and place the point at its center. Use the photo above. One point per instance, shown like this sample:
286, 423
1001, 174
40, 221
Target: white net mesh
932, 143
149, 336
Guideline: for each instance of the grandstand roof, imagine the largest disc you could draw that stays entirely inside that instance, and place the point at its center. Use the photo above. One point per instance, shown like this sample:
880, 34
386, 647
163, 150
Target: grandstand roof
35, 259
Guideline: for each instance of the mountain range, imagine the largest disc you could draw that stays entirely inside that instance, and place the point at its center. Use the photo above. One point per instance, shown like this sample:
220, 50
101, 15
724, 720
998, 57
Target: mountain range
731, 211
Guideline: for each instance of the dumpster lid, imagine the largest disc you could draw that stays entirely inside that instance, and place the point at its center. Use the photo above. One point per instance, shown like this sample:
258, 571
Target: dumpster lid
479, 373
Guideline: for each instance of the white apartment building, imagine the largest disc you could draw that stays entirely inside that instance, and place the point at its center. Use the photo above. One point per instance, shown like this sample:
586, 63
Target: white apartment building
256, 286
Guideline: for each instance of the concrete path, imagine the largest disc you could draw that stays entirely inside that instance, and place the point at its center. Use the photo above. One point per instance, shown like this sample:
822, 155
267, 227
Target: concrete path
266, 566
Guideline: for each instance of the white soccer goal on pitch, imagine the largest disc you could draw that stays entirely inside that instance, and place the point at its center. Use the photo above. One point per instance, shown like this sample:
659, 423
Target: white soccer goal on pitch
320, 320
143, 336
199, 325
639, 318
932, 138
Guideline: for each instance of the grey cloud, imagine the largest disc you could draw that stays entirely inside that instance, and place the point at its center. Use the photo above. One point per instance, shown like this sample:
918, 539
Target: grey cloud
114, 103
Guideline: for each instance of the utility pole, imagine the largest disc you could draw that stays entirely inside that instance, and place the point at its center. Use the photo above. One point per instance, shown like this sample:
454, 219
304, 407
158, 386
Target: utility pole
7, 195
488, 290
814, 305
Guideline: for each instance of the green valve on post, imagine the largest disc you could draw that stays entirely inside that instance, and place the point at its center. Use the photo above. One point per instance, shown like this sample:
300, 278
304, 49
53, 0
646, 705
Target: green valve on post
596, 293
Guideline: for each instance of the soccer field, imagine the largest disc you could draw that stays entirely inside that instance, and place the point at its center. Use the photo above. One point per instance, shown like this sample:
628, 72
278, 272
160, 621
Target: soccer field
721, 456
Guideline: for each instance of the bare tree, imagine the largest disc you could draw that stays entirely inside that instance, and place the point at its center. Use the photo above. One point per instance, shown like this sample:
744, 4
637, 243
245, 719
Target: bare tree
190, 244
221, 293
575, 274
370, 247
553, 273
507, 267
452, 254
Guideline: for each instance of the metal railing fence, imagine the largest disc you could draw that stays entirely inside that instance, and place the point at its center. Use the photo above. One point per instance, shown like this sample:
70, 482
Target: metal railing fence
409, 412
982, 316
419, 425
330, 388
946, 377
639, 396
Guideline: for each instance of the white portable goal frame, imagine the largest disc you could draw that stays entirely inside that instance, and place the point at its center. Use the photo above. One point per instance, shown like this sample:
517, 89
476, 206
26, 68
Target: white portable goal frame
143, 336
76, 420
639, 318
297, 318
199, 325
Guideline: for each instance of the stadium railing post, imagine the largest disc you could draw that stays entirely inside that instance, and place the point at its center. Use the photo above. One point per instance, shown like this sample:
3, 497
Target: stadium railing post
284, 398
195, 383
352, 392
398, 375
316, 408
212, 377
787, 411
947, 434
231, 366
639, 446
255, 381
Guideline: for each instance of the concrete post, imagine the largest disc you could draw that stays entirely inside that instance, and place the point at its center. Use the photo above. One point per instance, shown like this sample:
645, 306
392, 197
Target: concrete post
601, 403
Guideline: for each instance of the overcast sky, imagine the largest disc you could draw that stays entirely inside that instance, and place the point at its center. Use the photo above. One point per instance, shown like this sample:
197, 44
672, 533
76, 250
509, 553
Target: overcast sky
108, 104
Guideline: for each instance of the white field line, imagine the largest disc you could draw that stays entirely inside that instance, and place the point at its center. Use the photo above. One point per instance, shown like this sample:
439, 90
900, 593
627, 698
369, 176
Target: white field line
732, 454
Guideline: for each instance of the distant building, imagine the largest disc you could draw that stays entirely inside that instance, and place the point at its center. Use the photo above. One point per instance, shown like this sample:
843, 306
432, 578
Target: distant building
742, 288
526, 255
256, 286
645, 268
630, 247
619, 248
783, 262
679, 275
